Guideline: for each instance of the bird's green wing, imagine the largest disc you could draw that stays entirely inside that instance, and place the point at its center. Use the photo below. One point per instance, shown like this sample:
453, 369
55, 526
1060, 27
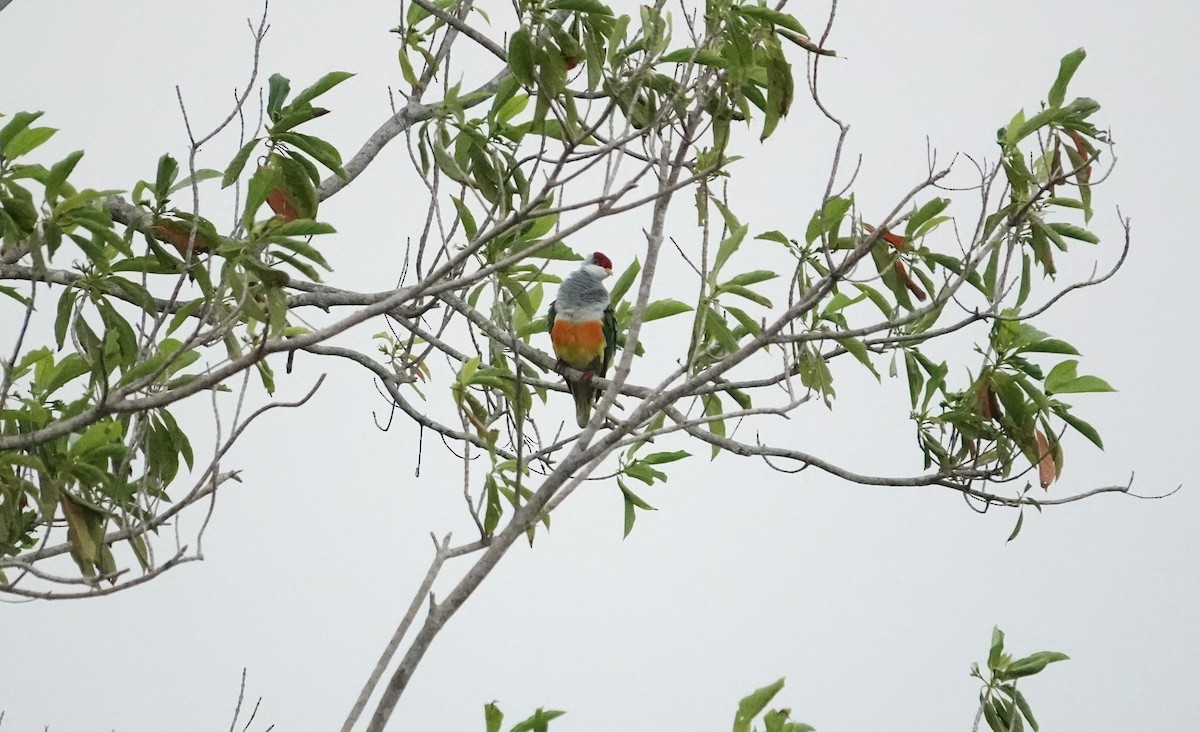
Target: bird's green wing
610, 340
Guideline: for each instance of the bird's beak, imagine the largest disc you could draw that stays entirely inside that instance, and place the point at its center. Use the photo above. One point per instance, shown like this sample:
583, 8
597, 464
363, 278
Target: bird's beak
608, 270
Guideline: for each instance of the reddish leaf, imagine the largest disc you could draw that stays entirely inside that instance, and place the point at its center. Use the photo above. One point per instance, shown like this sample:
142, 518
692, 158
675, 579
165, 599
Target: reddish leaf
177, 234
1046, 469
894, 239
909, 282
1081, 148
280, 202
282, 206
985, 400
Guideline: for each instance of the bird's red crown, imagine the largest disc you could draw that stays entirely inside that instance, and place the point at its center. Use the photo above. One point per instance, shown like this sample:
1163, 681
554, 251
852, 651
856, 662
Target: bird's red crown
602, 260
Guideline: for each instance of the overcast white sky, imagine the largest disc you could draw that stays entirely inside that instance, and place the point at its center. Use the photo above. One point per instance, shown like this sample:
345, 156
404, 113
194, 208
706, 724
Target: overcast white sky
872, 602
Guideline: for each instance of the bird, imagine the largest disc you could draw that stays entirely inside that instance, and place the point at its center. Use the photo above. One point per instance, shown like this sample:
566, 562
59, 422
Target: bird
583, 330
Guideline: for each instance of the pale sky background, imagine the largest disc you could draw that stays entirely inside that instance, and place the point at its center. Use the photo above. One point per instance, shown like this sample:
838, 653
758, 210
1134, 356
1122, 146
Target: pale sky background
873, 602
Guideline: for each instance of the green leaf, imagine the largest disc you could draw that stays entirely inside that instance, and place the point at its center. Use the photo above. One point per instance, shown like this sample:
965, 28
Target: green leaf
632, 503
747, 293
1066, 70
168, 171
292, 117
703, 56
11, 292
278, 88
1050, 345
538, 722
994, 713
467, 372
491, 518
1033, 664
26, 140
309, 169
406, 67
466, 217
1080, 426
716, 327
1063, 379
712, 408
1017, 528
185, 312
539, 226
581, 6
780, 90
1026, 279
261, 184
71, 367
559, 250
58, 174
201, 175
1083, 385
664, 309
322, 85
775, 236
860, 352
1064, 202
752, 705
303, 227
748, 324
1023, 705
449, 165
815, 374
828, 218
238, 163
728, 246
492, 715
625, 281
774, 17
658, 458
303, 249
753, 278
923, 215
14, 126
916, 379
66, 305
511, 108
520, 56
317, 149
997, 649
1075, 232
99, 434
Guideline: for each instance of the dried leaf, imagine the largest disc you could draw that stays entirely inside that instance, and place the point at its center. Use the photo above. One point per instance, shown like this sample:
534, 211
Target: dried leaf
283, 208
908, 281
1046, 470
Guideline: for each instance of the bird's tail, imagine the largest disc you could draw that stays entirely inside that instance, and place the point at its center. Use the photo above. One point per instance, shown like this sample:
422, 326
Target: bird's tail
585, 397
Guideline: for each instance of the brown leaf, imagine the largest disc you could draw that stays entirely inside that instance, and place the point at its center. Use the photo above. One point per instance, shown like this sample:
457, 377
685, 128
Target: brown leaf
909, 282
177, 234
1082, 149
1046, 469
985, 399
282, 205
895, 240
83, 548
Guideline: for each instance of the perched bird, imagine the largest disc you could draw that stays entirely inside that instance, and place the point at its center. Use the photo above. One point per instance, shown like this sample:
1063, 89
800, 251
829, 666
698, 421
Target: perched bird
583, 330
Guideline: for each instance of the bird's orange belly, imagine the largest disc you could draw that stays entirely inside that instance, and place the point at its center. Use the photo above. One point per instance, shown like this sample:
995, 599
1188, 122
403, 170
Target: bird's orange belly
578, 344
